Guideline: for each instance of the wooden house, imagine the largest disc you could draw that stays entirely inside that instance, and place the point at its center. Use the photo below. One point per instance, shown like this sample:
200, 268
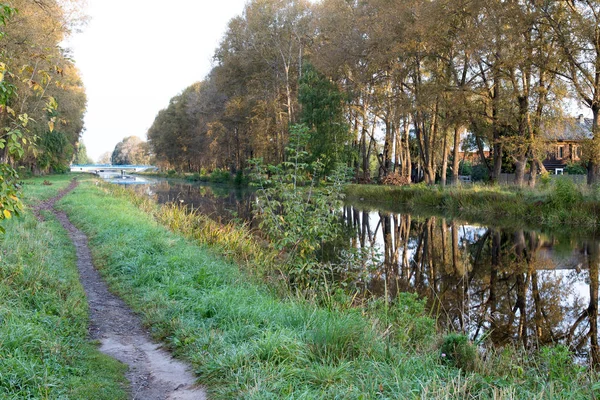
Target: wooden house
565, 140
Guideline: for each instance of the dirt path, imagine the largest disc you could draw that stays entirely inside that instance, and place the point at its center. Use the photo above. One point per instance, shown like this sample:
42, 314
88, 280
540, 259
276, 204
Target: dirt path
153, 373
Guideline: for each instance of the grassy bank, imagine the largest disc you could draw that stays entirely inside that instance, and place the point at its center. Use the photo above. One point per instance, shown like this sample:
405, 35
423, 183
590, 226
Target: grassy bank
244, 341
44, 353
216, 176
558, 205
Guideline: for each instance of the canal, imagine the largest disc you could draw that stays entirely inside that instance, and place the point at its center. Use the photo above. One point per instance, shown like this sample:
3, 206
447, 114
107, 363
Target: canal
507, 284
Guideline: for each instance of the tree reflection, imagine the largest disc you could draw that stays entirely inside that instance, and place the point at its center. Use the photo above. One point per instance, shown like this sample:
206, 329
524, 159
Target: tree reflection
508, 286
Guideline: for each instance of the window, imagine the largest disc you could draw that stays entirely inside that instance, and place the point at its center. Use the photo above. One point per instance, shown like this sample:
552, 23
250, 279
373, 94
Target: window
559, 171
561, 151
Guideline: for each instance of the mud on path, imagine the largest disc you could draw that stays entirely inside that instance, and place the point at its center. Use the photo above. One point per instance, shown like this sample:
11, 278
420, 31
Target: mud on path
153, 373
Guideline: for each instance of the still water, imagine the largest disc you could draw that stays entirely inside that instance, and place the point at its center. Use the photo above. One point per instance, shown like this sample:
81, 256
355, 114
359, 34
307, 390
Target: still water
509, 284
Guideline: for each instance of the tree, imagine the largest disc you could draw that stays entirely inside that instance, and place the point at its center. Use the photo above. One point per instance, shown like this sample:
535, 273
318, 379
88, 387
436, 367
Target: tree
323, 112
576, 28
130, 151
104, 158
81, 156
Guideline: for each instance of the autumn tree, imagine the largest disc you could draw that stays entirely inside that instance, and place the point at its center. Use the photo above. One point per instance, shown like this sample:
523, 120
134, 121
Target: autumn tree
576, 29
130, 151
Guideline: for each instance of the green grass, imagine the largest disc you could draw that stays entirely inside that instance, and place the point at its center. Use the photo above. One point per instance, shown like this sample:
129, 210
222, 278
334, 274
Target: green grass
246, 342
550, 208
44, 352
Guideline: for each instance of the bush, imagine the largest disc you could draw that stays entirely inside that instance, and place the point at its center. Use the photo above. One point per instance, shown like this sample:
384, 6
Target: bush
241, 179
413, 325
458, 351
575, 169
558, 363
564, 193
465, 168
220, 176
479, 173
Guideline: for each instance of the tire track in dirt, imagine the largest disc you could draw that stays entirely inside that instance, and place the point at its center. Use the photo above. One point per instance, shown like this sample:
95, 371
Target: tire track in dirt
153, 373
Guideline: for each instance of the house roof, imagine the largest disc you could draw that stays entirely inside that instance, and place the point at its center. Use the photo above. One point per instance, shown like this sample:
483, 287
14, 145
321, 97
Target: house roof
570, 129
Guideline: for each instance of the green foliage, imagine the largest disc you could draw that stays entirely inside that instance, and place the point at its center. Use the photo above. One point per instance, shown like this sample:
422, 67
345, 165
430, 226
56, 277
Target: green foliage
296, 214
575, 169
409, 320
458, 351
81, 156
545, 180
10, 204
565, 193
323, 112
558, 363
241, 179
465, 168
245, 342
479, 173
56, 152
220, 176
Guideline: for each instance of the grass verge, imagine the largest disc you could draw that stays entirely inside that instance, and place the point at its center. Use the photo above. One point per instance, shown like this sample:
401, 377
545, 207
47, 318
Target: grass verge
44, 352
551, 208
246, 342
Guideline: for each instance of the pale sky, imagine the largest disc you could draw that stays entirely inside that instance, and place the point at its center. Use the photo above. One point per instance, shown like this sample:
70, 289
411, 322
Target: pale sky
135, 55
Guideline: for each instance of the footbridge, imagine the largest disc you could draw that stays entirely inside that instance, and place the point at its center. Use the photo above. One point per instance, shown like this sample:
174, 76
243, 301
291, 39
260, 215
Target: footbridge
108, 168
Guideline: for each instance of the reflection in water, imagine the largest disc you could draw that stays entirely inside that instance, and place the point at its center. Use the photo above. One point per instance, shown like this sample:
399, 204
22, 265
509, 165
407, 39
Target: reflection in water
512, 286
221, 203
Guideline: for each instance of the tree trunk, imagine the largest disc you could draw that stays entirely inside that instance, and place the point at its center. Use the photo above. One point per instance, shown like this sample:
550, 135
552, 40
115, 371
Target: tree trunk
520, 164
444, 160
594, 161
455, 151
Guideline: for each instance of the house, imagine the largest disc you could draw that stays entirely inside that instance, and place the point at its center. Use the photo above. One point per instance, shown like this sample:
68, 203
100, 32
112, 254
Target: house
565, 140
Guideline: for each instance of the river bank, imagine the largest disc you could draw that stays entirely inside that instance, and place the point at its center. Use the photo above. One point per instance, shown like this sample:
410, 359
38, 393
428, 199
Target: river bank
557, 206
246, 341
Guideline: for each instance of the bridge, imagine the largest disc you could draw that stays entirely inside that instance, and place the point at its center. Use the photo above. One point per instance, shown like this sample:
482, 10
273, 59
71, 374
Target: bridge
109, 168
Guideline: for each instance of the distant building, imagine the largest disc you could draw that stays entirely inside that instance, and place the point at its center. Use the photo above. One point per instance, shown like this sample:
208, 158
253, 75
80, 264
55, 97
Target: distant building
565, 141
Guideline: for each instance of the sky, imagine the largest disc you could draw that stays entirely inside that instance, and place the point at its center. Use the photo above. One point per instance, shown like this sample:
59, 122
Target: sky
135, 55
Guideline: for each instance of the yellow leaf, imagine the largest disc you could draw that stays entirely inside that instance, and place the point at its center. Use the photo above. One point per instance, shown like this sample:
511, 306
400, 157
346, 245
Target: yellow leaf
7, 214
51, 126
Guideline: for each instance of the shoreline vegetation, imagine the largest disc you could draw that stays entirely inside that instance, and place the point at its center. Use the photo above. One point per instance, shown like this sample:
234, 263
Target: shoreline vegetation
554, 206
246, 339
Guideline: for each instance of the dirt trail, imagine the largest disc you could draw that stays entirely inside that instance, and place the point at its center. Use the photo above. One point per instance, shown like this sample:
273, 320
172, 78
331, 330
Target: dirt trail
153, 373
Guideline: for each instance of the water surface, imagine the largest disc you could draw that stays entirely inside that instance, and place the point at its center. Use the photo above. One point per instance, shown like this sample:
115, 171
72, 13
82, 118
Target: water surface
511, 285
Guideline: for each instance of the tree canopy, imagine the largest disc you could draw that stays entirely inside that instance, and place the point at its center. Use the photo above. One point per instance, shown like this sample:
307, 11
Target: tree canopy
397, 84
130, 151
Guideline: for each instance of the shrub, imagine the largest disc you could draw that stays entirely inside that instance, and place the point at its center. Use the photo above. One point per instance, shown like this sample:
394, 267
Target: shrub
557, 361
575, 169
413, 325
465, 168
545, 180
220, 176
458, 351
241, 179
564, 193
479, 173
